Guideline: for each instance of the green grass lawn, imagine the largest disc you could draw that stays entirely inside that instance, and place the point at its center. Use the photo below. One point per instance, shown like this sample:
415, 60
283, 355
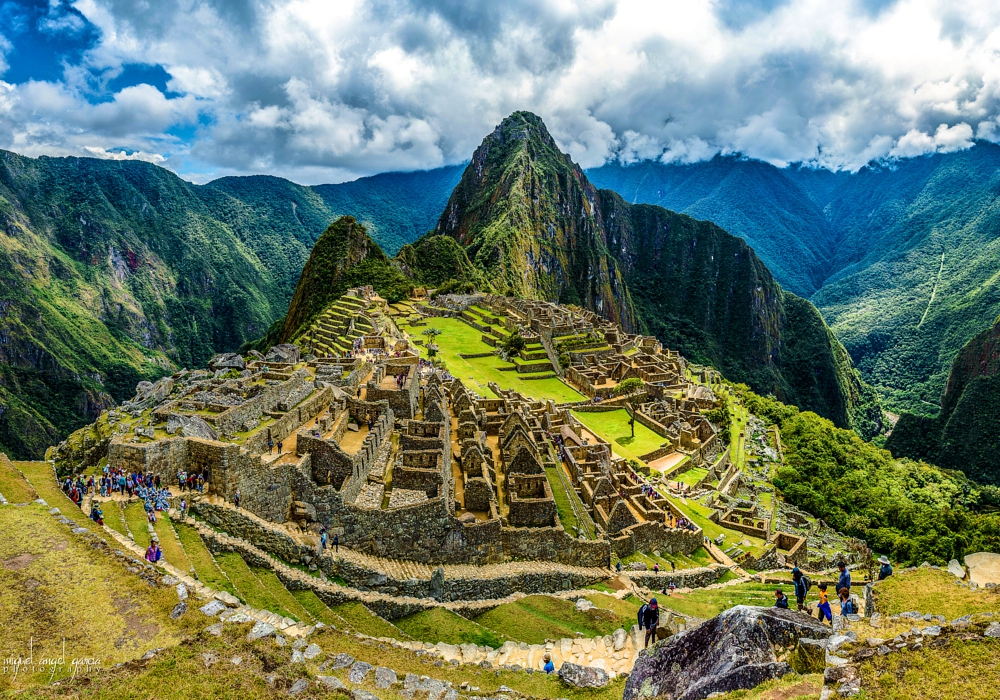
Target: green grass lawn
930, 591
13, 486
113, 517
697, 559
691, 476
173, 552
536, 618
135, 516
202, 560
709, 603
458, 337
613, 426
318, 609
440, 625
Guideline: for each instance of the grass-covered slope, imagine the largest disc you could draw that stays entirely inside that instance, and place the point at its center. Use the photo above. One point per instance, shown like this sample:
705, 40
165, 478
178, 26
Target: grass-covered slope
966, 434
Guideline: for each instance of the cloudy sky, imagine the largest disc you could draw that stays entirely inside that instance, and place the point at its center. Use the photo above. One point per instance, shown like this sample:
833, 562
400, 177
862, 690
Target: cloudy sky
328, 90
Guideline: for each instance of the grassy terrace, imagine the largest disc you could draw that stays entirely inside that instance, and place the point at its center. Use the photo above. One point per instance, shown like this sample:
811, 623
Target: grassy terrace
457, 337
536, 618
207, 570
928, 590
249, 589
64, 596
42, 477
135, 518
440, 625
706, 603
613, 426
698, 558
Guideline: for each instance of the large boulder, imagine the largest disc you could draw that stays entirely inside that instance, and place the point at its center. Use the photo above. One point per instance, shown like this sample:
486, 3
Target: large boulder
190, 426
583, 676
739, 649
984, 567
227, 360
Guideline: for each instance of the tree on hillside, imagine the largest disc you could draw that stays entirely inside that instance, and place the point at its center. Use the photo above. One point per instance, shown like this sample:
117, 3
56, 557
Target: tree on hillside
628, 386
431, 346
512, 344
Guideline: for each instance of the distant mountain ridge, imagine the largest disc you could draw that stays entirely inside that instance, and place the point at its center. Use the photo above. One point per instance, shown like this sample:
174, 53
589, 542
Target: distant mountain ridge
901, 258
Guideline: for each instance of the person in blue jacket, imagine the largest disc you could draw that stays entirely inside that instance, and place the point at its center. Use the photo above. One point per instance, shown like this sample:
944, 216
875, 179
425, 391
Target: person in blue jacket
549, 667
845, 578
800, 588
884, 571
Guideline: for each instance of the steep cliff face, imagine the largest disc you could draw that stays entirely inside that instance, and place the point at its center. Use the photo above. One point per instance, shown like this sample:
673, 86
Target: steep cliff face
529, 220
966, 434
533, 225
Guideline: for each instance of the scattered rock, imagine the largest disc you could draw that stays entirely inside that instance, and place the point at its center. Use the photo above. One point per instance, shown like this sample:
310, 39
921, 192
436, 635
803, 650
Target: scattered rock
838, 674
182, 591
331, 682
215, 629
363, 695
358, 671
311, 652
190, 426
167, 580
993, 630
236, 660
297, 657
340, 661
956, 569
850, 688
583, 676
260, 630
298, 686
385, 677
583, 605
179, 609
212, 608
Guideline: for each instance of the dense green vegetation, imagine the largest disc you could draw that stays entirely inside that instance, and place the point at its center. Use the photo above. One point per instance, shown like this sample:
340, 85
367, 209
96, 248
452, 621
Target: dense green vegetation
912, 511
966, 434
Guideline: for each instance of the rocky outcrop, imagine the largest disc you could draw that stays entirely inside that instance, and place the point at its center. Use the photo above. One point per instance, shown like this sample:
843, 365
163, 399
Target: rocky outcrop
190, 426
740, 648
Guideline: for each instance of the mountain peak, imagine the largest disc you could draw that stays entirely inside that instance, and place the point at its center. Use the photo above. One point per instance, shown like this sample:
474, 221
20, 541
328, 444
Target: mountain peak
520, 126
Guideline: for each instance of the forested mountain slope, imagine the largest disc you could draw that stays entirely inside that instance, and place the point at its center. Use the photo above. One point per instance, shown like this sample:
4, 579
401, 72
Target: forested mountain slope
966, 434
112, 272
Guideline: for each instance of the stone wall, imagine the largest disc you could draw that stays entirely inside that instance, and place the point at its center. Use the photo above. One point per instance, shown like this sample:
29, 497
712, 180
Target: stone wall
682, 578
290, 421
553, 544
650, 537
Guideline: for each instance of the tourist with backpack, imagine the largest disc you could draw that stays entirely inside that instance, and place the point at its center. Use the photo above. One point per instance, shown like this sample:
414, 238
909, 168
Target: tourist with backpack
649, 620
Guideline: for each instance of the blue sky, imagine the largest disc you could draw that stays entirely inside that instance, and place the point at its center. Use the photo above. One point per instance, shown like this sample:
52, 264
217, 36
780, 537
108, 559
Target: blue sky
321, 91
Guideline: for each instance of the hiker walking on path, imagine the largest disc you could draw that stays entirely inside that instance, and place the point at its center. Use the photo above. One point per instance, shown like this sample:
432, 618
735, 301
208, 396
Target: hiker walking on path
336, 543
236, 498
884, 571
649, 619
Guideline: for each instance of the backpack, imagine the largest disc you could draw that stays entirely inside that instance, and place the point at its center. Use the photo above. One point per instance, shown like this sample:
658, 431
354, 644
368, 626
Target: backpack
642, 614
806, 582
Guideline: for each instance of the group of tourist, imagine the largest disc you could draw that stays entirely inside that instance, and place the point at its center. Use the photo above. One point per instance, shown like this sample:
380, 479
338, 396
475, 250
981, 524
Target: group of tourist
848, 604
401, 379
191, 481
